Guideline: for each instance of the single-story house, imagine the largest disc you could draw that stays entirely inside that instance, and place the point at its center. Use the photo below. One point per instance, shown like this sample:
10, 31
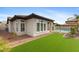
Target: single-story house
32, 24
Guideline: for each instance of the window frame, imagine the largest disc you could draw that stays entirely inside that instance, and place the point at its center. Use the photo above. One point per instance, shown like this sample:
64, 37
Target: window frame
22, 26
44, 27
17, 26
38, 28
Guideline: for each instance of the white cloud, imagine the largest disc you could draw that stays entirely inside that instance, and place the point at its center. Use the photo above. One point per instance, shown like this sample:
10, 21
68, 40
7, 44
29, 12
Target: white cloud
59, 17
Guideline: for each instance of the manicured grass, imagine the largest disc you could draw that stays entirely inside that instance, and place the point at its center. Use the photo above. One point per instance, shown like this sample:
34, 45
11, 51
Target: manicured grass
54, 42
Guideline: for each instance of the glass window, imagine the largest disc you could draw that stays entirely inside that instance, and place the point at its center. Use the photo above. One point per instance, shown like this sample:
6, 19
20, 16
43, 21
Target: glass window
22, 27
44, 27
41, 26
38, 26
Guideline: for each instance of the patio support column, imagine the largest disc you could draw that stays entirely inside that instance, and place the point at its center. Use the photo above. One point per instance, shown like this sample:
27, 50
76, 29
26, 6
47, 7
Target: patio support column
54, 27
46, 26
51, 26
9, 26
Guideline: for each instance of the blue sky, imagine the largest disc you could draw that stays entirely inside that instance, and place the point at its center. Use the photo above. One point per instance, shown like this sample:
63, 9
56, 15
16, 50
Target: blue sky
59, 14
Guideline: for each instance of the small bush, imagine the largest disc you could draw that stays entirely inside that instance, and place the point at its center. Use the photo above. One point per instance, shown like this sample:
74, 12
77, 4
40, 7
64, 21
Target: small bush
73, 31
14, 34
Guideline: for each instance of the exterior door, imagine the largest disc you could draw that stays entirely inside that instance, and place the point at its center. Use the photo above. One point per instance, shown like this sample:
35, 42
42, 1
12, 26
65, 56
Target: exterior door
22, 27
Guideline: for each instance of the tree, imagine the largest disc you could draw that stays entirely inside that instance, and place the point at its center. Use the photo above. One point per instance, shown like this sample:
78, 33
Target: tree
76, 16
73, 31
4, 46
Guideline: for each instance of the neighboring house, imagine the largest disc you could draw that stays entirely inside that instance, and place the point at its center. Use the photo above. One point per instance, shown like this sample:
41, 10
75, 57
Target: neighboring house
71, 22
56, 26
32, 24
3, 25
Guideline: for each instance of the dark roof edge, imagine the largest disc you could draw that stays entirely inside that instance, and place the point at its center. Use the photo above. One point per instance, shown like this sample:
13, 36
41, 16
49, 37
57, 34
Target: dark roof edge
27, 17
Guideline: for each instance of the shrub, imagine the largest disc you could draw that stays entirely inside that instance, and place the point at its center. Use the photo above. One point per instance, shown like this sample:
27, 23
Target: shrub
4, 46
73, 31
14, 34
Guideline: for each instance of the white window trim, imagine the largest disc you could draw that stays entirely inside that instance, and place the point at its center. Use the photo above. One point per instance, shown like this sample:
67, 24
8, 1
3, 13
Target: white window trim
44, 22
17, 29
21, 27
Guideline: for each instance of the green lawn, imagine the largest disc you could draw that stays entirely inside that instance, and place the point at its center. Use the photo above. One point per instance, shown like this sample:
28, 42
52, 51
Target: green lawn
54, 42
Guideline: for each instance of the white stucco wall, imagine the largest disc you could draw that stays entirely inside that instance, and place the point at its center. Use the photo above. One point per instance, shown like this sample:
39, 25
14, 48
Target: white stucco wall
19, 27
30, 27
3, 26
36, 33
10, 26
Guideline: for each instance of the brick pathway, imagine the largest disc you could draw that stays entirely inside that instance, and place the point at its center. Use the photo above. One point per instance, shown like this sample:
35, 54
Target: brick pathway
10, 37
20, 42
15, 40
